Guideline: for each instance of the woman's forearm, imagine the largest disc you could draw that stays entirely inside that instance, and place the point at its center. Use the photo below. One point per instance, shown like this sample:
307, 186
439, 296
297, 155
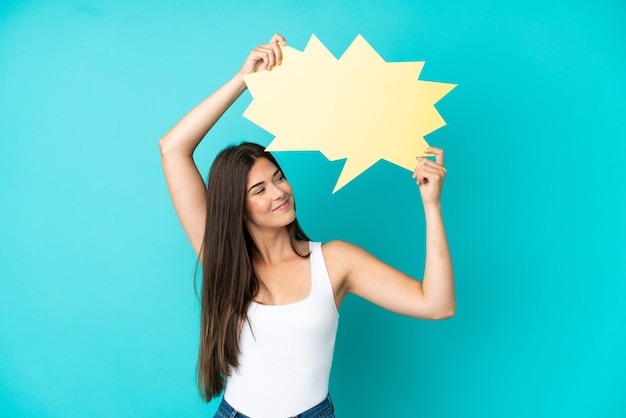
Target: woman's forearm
438, 283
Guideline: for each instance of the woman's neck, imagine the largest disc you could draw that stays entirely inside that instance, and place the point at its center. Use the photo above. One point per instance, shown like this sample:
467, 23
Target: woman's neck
272, 248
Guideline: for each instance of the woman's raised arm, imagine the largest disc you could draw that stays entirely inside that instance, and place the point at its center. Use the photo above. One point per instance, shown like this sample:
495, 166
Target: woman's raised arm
184, 181
356, 271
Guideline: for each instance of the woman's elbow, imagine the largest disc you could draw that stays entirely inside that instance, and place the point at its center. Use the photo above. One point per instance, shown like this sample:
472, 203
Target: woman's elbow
163, 146
441, 314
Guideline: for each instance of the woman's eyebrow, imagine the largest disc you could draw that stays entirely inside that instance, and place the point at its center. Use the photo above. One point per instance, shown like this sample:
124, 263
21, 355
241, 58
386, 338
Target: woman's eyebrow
255, 185
263, 181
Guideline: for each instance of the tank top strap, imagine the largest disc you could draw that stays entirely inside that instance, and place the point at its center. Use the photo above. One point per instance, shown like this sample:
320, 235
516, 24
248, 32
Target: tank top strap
321, 287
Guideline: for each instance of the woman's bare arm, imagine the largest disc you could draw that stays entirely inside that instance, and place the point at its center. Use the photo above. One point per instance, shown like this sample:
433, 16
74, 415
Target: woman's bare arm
356, 271
184, 181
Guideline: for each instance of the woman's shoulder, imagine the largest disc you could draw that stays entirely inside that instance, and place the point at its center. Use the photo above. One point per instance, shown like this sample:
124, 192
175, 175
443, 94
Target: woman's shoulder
335, 245
344, 260
339, 258
339, 249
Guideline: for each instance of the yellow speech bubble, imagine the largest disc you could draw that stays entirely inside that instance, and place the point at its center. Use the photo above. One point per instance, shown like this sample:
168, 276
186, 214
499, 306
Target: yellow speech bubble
357, 107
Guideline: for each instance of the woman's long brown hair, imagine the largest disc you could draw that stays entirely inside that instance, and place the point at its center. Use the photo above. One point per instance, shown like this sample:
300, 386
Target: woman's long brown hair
228, 280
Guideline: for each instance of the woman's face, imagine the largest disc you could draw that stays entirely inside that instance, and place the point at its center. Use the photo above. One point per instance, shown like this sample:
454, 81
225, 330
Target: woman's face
269, 198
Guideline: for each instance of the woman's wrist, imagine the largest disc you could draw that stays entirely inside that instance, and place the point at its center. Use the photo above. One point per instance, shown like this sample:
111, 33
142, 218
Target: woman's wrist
432, 208
239, 82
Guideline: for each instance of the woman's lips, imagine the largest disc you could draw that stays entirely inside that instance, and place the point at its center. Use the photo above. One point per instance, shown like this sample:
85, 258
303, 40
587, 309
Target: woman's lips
282, 206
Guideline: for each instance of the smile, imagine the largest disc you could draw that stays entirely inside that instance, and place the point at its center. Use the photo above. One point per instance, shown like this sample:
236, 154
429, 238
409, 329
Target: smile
282, 206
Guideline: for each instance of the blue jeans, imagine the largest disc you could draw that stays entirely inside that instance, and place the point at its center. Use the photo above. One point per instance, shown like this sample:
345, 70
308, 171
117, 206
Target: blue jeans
324, 409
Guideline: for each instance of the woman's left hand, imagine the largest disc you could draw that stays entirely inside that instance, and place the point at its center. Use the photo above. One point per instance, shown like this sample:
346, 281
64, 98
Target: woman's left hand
429, 176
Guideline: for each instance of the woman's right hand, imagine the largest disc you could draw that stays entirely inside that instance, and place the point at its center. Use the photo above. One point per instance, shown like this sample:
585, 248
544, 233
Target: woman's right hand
264, 57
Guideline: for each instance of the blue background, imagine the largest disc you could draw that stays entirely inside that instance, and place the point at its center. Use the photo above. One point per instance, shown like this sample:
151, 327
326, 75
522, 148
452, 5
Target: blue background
98, 315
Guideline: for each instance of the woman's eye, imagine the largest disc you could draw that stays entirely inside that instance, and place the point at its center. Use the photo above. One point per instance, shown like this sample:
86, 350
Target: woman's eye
280, 178
259, 191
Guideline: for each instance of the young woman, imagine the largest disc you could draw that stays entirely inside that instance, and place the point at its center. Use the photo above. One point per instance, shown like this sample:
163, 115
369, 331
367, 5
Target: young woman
269, 296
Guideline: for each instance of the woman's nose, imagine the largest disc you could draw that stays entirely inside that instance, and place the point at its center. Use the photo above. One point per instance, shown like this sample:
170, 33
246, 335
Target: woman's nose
277, 193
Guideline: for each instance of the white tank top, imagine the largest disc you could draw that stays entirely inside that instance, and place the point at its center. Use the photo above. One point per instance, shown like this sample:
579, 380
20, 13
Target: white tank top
286, 351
